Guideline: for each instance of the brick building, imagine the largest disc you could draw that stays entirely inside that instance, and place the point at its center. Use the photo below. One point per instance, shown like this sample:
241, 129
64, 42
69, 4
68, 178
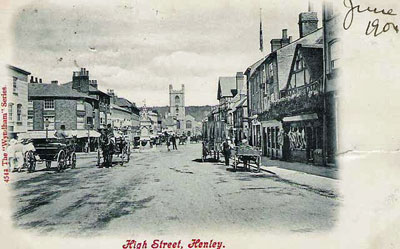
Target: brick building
82, 83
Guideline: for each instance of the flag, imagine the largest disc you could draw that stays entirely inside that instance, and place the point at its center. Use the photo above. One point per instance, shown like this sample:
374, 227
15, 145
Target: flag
261, 35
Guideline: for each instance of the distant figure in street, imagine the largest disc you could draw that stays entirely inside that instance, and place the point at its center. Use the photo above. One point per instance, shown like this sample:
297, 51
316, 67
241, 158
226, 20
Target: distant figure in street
226, 151
173, 140
168, 143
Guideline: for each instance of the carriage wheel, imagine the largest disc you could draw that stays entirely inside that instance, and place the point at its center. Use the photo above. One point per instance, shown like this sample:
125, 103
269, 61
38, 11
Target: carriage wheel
60, 160
48, 164
73, 160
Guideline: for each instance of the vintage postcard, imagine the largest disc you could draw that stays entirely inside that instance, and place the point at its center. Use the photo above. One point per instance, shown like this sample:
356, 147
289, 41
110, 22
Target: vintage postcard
200, 124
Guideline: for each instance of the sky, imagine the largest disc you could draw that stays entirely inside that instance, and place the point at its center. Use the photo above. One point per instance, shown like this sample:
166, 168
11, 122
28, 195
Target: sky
139, 47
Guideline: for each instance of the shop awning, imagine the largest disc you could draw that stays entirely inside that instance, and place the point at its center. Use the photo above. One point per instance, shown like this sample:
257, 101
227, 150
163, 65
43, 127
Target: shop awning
42, 134
300, 117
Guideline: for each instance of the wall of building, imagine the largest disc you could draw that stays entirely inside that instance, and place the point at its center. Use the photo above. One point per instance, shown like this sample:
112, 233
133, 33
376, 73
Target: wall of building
19, 97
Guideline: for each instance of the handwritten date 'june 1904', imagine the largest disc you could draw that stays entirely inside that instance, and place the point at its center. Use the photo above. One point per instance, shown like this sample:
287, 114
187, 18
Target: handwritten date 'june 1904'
373, 27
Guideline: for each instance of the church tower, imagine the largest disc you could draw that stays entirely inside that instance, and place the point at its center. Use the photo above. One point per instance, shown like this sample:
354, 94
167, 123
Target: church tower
177, 107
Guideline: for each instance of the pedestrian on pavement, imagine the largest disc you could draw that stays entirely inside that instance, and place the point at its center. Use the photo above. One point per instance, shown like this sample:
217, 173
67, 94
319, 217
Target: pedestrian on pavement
226, 150
174, 142
168, 144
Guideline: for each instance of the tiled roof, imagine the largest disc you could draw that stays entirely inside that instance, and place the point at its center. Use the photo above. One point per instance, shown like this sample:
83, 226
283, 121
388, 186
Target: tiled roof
123, 102
225, 85
91, 88
54, 90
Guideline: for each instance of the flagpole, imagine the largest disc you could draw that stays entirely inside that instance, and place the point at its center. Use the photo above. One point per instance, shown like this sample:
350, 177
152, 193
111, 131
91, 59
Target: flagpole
261, 34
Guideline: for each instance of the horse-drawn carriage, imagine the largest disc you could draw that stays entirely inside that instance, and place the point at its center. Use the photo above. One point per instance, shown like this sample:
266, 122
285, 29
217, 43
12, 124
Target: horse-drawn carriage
48, 150
245, 155
113, 150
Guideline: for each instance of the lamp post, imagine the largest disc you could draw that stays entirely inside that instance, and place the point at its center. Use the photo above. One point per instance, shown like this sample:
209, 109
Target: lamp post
46, 125
89, 126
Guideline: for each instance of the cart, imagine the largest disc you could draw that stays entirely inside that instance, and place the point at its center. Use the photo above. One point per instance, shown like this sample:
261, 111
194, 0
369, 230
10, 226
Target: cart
49, 150
245, 155
120, 153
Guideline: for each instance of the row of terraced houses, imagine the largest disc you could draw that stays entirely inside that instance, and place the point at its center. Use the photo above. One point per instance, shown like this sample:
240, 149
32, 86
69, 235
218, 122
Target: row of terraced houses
35, 107
285, 104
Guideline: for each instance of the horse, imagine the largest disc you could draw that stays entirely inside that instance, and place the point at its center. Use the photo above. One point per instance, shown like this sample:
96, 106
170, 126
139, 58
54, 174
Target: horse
107, 147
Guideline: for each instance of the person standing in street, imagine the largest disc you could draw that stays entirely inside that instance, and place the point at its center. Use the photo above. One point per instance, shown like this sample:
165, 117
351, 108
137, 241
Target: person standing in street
226, 150
168, 143
174, 147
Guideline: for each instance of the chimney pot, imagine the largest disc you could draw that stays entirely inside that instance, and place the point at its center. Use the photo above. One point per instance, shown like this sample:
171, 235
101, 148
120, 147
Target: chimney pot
40, 80
32, 81
54, 82
36, 80
284, 33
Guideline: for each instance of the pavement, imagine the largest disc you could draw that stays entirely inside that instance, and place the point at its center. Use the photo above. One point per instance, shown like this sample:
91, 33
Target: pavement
161, 192
325, 171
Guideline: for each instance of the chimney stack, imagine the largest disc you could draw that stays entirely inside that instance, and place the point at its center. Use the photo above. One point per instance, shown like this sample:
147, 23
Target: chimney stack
36, 80
40, 80
308, 23
31, 81
54, 82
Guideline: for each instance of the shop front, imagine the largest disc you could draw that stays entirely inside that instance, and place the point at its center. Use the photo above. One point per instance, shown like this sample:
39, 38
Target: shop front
272, 139
302, 140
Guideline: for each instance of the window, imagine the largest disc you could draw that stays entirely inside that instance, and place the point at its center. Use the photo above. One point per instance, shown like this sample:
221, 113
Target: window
30, 123
19, 112
102, 118
80, 106
10, 111
189, 124
299, 63
30, 115
80, 123
334, 54
49, 104
177, 100
50, 120
15, 88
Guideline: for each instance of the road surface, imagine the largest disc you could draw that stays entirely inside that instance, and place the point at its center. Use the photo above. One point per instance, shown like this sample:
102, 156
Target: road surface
163, 192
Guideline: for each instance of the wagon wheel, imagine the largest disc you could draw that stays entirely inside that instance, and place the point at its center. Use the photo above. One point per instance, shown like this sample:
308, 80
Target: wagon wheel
73, 160
48, 164
60, 160
30, 159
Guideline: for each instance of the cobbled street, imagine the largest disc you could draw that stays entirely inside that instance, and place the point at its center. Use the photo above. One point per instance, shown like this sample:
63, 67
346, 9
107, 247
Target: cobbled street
162, 192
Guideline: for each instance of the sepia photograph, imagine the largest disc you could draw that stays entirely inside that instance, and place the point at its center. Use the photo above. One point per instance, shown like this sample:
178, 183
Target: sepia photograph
166, 117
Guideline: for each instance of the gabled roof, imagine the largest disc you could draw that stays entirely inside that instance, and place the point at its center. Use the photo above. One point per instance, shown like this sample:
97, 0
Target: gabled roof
313, 58
225, 85
55, 91
285, 55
